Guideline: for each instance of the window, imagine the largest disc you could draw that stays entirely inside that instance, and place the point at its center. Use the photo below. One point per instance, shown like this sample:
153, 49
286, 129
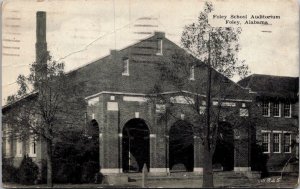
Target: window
7, 146
19, 148
287, 110
266, 109
287, 142
159, 47
244, 112
125, 67
276, 142
266, 142
32, 146
192, 72
276, 109
202, 109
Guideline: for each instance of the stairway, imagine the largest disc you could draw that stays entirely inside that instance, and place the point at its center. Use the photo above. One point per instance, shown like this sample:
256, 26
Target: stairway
227, 178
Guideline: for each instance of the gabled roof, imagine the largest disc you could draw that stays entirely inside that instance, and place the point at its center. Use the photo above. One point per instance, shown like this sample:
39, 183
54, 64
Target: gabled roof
143, 51
28, 96
272, 86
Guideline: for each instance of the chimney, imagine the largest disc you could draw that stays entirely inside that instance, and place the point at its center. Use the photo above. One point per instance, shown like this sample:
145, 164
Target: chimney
159, 35
41, 44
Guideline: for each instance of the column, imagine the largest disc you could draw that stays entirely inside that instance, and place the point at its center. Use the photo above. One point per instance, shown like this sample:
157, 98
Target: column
241, 151
153, 166
110, 142
198, 167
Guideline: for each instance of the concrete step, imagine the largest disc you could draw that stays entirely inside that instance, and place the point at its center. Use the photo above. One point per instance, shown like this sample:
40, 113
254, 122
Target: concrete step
230, 175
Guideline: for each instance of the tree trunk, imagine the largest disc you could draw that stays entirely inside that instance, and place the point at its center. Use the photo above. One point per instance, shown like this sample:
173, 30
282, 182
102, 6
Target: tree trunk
207, 157
49, 163
207, 168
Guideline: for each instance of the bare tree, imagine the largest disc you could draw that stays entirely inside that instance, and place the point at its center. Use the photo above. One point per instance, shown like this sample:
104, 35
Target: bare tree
47, 104
216, 60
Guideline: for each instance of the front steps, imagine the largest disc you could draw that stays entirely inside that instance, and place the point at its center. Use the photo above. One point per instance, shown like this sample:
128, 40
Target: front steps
225, 178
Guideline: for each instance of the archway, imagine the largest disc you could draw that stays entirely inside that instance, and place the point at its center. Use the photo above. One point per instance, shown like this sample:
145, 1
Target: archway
135, 145
93, 141
223, 157
93, 129
181, 147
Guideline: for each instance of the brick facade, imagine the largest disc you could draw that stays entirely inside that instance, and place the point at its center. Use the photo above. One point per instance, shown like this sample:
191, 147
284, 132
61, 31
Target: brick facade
115, 98
279, 90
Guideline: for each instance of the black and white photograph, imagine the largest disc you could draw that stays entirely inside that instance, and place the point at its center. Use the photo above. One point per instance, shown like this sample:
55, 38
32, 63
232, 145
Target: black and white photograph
150, 94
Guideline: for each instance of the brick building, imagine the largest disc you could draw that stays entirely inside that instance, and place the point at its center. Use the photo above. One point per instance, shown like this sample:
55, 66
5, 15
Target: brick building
131, 133
277, 100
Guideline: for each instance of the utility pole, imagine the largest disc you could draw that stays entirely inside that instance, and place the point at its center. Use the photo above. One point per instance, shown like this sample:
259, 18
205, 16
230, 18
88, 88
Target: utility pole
208, 91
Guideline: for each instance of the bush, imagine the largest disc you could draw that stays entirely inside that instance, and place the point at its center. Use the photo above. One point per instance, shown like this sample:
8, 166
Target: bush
89, 170
75, 159
99, 178
9, 172
28, 171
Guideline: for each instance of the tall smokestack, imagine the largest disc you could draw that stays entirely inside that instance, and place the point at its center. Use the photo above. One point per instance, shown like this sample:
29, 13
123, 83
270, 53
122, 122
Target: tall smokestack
41, 44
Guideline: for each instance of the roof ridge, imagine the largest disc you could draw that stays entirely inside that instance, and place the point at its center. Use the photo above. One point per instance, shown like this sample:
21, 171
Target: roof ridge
256, 74
107, 55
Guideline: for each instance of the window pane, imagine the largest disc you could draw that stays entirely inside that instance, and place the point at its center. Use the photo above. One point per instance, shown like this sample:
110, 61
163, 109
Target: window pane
287, 142
19, 148
276, 144
192, 73
265, 142
159, 46
7, 146
276, 109
265, 109
287, 110
125, 67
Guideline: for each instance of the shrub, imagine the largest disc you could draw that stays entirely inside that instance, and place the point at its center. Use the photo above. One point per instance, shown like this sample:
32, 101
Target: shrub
9, 172
28, 171
75, 159
89, 170
99, 178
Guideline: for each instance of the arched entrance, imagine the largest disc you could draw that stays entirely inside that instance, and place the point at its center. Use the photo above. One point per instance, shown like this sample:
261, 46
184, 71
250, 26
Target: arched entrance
223, 157
135, 146
181, 147
93, 129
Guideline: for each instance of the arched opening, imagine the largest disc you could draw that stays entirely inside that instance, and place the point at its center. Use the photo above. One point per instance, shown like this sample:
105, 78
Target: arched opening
181, 147
135, 146
92, 146
93, 129
223, 158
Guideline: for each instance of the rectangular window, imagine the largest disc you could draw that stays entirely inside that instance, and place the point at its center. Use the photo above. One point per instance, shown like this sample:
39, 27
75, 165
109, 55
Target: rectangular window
287, 142
19, 148
125, 67
287, 109
276, 109
32, 146
7, 146
276, 142
202, 110
159, 47
266, 109
192, 73
244, 112
266, 142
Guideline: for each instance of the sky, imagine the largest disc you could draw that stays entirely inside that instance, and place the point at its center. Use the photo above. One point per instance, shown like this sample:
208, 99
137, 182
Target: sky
81, 31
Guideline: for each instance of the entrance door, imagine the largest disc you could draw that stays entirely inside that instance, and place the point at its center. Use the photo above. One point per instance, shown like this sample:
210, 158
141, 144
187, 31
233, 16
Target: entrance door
223, 158
181, 147
135, 146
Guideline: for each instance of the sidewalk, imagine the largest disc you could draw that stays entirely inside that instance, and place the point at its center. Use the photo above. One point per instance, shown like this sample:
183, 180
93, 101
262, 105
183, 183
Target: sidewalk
289, 182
